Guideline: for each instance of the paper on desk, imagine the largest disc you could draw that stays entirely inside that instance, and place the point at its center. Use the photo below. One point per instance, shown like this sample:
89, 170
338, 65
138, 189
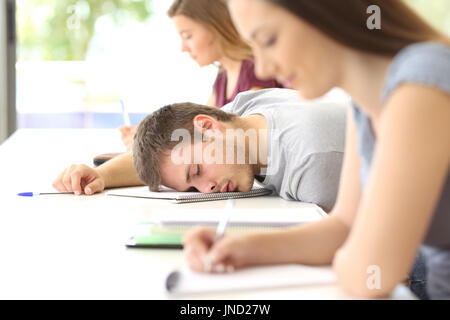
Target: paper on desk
276, 217
261, 277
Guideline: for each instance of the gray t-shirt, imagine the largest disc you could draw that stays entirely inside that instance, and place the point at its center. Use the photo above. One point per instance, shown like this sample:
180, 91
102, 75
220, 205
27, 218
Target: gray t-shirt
305, 143
427, 64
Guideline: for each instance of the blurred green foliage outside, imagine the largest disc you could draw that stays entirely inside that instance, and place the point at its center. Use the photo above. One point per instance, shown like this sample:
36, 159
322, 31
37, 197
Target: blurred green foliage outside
62, 29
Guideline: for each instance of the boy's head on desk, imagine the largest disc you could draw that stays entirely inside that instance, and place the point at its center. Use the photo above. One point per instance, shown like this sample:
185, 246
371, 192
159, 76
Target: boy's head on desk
187, 146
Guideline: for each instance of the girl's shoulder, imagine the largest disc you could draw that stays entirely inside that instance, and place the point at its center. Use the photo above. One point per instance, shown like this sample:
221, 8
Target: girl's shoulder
426, 63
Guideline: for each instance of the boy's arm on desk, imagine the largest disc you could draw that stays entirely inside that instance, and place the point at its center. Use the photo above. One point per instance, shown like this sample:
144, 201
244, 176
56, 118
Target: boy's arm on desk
120, 172
117, 172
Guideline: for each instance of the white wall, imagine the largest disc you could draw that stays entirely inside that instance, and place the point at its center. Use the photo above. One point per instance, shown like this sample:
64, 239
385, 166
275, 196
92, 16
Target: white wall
8, 121
3, 73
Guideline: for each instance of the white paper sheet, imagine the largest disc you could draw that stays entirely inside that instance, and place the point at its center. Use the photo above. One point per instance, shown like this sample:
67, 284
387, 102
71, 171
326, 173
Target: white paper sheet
242, 217
278, 276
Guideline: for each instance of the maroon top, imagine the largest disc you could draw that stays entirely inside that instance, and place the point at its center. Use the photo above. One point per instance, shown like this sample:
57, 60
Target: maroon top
246, 80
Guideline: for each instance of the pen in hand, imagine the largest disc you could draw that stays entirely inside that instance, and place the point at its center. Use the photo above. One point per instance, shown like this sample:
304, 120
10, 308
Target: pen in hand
220, 231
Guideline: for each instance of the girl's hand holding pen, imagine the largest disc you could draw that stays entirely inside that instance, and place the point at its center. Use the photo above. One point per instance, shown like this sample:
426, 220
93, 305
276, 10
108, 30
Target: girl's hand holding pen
204, 254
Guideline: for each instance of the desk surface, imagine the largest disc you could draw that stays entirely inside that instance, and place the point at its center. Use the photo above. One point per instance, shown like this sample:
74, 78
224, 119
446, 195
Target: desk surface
69, 247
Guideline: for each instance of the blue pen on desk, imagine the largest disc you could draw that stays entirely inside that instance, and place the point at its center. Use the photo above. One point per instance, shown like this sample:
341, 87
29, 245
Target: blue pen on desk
34, 194
126, 117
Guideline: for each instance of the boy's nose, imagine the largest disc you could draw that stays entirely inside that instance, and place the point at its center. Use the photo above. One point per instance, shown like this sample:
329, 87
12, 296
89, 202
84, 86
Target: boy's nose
208, 187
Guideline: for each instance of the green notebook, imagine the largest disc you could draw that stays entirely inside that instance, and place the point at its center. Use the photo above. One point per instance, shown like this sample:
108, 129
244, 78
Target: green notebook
162, 241
150, 235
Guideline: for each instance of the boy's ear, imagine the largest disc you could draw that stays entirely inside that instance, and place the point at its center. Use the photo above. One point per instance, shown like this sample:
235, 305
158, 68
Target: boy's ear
204, 123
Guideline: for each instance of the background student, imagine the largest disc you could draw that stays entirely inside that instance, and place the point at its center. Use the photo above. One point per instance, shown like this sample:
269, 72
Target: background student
394, 193
207, 33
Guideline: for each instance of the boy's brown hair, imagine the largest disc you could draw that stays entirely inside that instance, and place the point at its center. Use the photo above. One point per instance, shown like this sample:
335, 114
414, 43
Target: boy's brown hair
153, 136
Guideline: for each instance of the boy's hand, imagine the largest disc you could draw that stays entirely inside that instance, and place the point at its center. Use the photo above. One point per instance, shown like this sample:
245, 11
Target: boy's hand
79, 179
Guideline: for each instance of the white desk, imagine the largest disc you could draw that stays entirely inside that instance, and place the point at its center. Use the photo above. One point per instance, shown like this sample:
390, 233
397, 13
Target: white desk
69, 247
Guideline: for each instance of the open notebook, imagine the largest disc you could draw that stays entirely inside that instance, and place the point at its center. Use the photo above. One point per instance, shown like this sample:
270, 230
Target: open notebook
167, 227
185, 197
272, 217
185, 281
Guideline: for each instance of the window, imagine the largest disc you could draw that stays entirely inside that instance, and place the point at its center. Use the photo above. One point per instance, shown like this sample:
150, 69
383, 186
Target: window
436, 12
78, 59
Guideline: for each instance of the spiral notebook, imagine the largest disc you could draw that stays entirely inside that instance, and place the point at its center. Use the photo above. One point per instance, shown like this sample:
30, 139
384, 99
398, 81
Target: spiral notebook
185, 197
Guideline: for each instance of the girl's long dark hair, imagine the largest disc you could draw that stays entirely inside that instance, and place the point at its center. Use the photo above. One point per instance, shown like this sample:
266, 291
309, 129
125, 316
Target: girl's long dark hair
346, 22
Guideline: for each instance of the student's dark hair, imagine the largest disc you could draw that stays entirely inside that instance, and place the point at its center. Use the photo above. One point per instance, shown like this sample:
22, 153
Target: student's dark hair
153, 136
346, 23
